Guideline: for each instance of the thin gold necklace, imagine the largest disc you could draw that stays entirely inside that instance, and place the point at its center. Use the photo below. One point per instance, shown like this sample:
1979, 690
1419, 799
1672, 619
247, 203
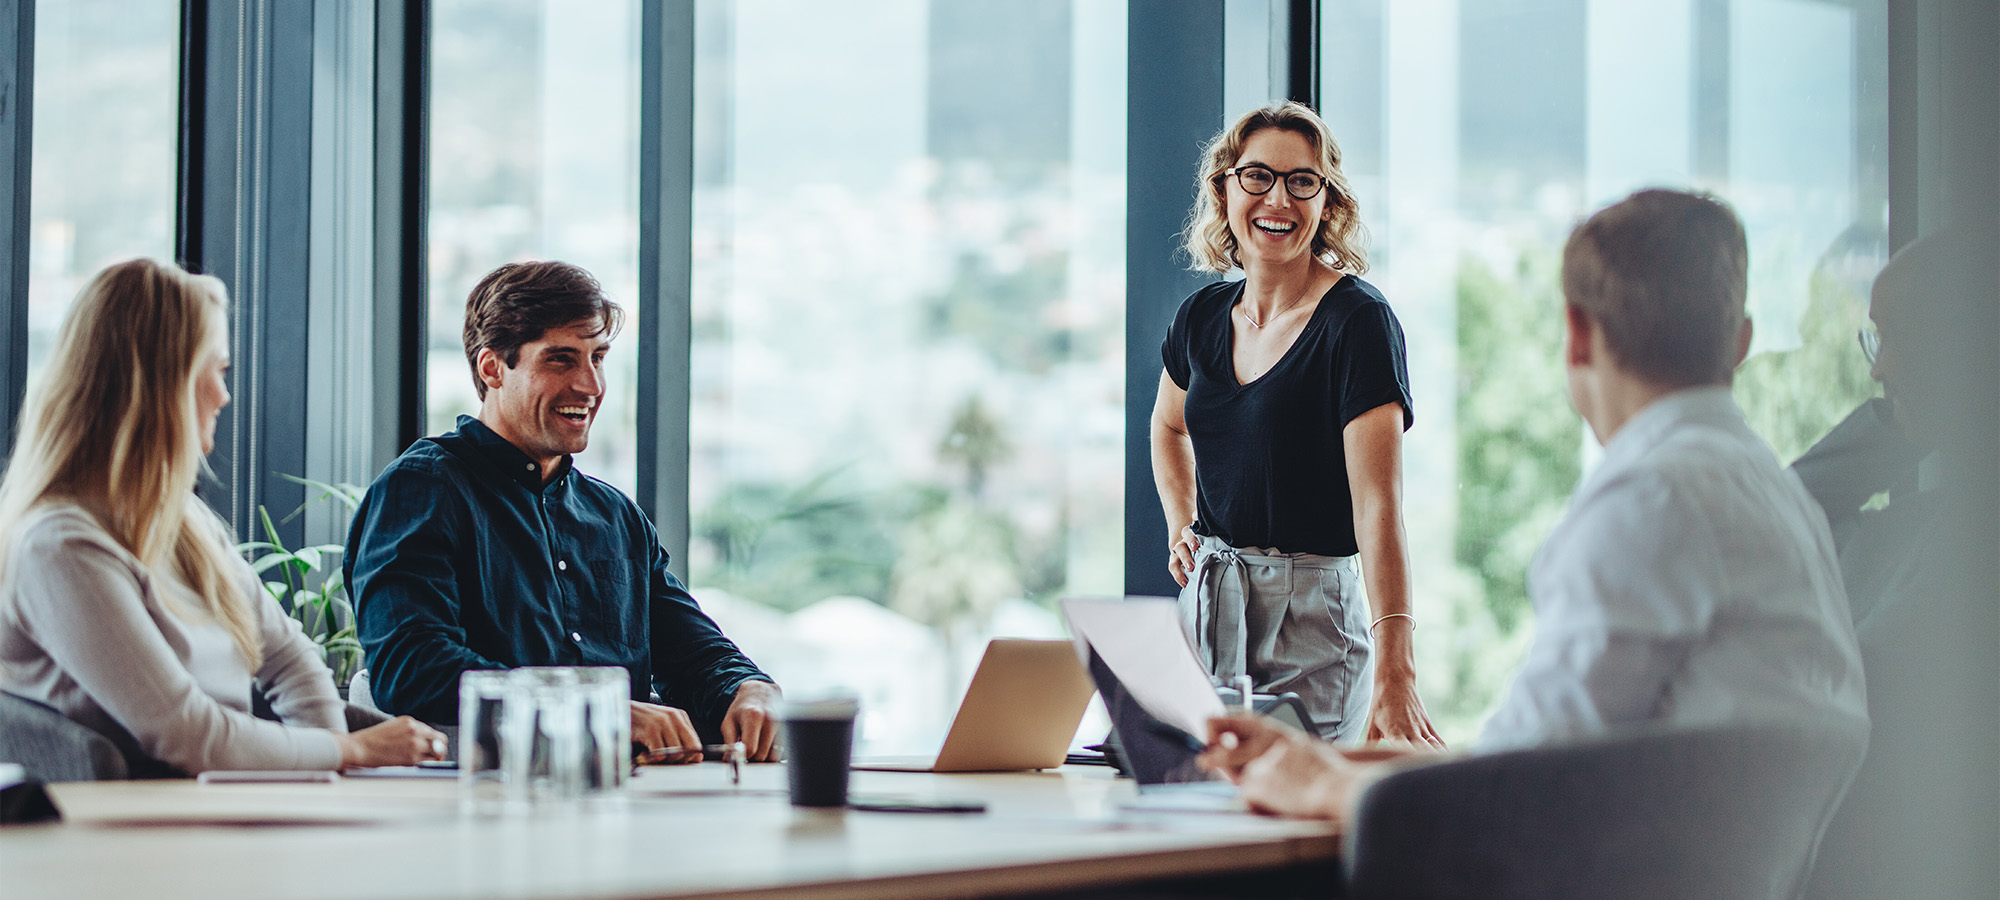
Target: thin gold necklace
1274, 316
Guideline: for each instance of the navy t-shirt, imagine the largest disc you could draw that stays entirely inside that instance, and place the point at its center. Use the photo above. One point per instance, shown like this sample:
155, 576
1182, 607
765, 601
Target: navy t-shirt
1270, 468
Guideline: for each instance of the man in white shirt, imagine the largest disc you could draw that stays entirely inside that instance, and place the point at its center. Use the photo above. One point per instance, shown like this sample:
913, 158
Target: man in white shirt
1693, 581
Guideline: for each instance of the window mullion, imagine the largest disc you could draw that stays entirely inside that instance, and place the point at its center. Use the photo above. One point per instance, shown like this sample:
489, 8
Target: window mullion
666, 199
17, 148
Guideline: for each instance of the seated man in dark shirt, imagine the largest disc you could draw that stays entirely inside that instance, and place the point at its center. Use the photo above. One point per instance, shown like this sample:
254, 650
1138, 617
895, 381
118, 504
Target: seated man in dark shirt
1906, 483
484, 548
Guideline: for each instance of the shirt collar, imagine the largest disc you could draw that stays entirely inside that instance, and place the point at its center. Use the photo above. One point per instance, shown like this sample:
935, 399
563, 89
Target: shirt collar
508, 459
1708, 404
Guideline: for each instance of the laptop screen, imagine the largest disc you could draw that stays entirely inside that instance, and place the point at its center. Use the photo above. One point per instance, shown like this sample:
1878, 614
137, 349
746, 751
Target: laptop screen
1149, 750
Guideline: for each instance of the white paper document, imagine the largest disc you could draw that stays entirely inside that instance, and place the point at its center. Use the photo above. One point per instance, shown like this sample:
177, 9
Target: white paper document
1141, 640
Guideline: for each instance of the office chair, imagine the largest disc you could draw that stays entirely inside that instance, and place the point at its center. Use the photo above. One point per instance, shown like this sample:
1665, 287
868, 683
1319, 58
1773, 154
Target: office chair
359, 693
1724, 812
361, 709
53, 748
362, 712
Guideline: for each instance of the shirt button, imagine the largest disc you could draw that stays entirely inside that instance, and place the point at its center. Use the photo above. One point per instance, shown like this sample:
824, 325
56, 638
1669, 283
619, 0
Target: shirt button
562, 566
576, 637
531, 467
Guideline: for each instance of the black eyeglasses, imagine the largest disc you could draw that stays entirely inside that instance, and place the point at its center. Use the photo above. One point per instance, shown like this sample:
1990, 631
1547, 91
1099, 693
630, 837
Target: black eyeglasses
1871, 344
1302, 184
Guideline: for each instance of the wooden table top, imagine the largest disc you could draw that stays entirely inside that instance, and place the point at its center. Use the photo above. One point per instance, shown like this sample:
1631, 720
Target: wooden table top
684, 831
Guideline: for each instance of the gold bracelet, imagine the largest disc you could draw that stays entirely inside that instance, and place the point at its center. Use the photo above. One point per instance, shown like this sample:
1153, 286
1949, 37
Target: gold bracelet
1413, 620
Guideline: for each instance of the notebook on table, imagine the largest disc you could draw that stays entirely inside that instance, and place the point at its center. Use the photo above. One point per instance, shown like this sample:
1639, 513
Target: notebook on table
1024, 705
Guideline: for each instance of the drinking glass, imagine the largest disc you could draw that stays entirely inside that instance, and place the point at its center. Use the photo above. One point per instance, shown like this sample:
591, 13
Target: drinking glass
542, 749
607, 729
485, 700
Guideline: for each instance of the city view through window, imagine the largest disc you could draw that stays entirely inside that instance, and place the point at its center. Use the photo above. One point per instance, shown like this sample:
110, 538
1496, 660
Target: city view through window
908, 361
104, 142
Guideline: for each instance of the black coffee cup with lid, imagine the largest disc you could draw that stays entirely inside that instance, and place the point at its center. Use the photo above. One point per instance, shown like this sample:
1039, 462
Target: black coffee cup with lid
819, 744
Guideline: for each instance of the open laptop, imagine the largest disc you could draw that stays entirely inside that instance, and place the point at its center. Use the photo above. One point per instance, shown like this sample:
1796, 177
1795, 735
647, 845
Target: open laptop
1020, 712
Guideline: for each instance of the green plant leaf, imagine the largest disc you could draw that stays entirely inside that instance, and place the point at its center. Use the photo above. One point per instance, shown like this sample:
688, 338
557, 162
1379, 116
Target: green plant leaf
347, 494
295, 569
315, 583
270, 530
265, 562
343, 611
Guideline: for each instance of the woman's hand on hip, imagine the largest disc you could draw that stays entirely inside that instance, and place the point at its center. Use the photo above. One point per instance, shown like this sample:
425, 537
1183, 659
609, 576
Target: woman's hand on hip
1180, 557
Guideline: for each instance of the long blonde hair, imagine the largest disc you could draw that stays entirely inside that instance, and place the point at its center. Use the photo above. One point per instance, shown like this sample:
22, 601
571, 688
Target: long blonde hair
1338, 239
112, 426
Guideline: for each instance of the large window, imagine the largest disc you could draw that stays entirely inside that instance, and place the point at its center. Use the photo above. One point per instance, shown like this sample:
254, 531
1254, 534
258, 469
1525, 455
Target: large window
106, 76
534, 155
908, 307
1478, 134
906, 420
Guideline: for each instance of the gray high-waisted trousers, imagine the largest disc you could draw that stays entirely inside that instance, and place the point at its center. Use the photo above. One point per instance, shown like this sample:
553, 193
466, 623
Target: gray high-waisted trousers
1291, 621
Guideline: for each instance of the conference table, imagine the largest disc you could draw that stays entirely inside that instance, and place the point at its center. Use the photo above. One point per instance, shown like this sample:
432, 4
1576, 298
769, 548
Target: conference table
680, 831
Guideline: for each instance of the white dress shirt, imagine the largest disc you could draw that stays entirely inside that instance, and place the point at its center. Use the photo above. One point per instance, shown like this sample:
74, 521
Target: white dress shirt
1693, 582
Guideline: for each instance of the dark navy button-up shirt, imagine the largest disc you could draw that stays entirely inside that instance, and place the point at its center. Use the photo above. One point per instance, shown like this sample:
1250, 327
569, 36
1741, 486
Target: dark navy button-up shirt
460, 559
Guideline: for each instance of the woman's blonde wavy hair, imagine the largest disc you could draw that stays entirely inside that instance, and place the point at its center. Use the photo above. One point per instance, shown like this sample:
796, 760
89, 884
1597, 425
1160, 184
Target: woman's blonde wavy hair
1338, 240
112, 426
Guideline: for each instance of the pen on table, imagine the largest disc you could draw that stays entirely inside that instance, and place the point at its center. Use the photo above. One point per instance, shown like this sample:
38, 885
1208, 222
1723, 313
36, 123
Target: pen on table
735, 754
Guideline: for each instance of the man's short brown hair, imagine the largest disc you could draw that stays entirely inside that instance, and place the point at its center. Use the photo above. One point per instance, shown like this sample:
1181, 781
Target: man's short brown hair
1663, 273
519, 302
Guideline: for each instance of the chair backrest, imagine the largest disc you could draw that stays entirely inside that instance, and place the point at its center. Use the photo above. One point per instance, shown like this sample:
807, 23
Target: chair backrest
359, 692
53, 748
1725, 812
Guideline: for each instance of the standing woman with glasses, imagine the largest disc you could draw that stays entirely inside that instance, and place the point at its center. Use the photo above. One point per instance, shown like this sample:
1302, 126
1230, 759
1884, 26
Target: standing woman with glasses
122, 604
1277, 438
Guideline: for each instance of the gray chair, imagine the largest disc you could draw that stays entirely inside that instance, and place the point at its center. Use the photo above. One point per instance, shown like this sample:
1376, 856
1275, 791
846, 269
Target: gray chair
1729, 812
53, 748
362, 712
359, 717
360, 693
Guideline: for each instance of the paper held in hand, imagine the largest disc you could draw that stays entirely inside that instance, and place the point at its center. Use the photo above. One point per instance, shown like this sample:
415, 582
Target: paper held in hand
1142, 641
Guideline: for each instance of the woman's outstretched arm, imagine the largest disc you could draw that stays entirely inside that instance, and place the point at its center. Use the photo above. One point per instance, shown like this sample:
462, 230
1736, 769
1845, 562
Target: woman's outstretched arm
1373, 443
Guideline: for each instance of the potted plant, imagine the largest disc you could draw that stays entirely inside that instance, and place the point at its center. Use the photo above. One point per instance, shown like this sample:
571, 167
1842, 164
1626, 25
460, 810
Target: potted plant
309, 584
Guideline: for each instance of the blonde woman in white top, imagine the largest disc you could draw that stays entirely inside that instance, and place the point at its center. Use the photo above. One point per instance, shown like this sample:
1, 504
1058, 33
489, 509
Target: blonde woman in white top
122, 603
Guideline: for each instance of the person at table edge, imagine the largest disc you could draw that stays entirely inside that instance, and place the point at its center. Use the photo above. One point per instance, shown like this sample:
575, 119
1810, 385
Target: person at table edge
485, 548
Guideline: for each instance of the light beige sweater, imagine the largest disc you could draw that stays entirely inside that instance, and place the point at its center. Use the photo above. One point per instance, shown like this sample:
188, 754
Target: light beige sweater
85, 629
